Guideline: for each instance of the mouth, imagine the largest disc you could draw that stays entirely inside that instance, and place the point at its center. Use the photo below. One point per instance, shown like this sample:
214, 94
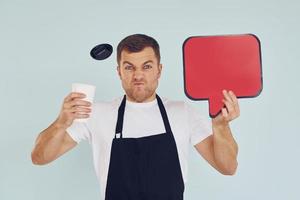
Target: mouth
138, 83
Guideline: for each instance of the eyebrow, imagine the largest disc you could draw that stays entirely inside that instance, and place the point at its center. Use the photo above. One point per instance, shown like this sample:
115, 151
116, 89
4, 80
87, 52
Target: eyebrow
148, 61
127, 62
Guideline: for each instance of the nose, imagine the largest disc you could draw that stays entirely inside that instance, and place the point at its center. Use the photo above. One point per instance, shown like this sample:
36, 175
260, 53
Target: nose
138, 75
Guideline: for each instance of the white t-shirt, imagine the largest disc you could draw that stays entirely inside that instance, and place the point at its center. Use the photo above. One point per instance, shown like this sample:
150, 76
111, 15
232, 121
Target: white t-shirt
140, 119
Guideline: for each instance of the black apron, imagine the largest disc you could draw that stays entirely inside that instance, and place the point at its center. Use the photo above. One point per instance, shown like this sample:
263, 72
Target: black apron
144, 168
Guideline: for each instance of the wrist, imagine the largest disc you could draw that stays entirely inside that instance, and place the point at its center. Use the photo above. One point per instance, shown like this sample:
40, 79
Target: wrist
220, 126
58, 125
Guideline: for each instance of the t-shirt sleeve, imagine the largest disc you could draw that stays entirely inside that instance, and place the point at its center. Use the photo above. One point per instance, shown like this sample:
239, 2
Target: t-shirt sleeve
199, 127
79, 131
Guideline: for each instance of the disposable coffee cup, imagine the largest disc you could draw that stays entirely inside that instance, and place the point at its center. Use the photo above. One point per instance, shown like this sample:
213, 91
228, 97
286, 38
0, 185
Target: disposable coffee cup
88, 90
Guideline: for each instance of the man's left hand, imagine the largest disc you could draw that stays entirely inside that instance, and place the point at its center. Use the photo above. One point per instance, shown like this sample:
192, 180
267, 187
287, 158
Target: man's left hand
231, 110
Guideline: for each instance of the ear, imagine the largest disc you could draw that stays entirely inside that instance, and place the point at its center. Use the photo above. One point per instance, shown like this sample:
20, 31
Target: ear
159, 70
119, 72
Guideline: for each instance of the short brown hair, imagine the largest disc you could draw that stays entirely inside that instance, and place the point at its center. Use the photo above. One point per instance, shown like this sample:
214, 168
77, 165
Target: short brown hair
136, 43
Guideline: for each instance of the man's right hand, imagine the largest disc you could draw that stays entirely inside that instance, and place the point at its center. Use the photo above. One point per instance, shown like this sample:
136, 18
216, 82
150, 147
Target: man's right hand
73, 108
54, 140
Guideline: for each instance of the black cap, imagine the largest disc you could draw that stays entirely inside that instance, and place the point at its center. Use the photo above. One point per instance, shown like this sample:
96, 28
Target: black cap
101, 51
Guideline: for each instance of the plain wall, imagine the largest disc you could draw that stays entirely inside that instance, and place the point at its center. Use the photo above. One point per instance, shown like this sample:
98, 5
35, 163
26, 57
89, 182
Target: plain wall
45, 45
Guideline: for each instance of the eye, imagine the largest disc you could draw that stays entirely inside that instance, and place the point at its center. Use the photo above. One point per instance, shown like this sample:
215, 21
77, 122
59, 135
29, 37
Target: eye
147, 66
128, 67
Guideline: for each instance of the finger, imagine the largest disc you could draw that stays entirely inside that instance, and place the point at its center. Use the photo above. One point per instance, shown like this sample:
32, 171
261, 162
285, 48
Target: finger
80, 116
74, 95
233, 97
77, 103
229, 106
227, 96
224, 113
236, 102
80, 109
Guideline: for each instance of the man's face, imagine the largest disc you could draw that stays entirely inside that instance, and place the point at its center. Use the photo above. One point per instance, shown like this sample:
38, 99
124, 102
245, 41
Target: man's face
139, 73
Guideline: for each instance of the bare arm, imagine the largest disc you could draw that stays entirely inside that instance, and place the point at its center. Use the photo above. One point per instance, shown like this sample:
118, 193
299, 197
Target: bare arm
50, 144
55, 141
219, 153
220, 149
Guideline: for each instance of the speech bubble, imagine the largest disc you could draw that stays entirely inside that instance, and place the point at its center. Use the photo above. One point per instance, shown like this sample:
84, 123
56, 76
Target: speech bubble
214, 63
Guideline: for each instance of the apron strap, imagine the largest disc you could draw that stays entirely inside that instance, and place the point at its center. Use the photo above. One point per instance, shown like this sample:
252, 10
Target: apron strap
121, 110
164, 114
119, 126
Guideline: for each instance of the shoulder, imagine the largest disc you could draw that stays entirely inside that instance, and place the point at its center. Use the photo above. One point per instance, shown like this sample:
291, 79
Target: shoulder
107, 105
178, 105
112, 103
170, 104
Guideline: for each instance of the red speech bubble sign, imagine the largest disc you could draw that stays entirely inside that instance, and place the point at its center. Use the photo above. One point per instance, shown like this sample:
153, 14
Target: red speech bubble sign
214, 63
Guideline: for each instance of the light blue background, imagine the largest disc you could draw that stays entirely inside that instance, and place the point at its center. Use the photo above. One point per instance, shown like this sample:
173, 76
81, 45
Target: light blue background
44, 47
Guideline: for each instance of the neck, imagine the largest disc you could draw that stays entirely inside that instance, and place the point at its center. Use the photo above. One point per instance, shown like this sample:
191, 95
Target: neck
151, 98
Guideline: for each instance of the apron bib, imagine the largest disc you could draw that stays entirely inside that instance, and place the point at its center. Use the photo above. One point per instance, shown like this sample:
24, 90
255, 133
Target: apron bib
145, 168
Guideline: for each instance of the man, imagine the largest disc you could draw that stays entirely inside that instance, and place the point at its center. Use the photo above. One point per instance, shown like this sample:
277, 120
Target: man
140, 142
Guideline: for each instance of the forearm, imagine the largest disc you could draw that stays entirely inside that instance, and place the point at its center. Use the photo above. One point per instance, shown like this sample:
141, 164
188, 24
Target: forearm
225, 149
47, 144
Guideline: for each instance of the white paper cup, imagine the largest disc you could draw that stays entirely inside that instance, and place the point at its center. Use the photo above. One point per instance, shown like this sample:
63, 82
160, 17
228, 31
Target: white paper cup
88, 90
